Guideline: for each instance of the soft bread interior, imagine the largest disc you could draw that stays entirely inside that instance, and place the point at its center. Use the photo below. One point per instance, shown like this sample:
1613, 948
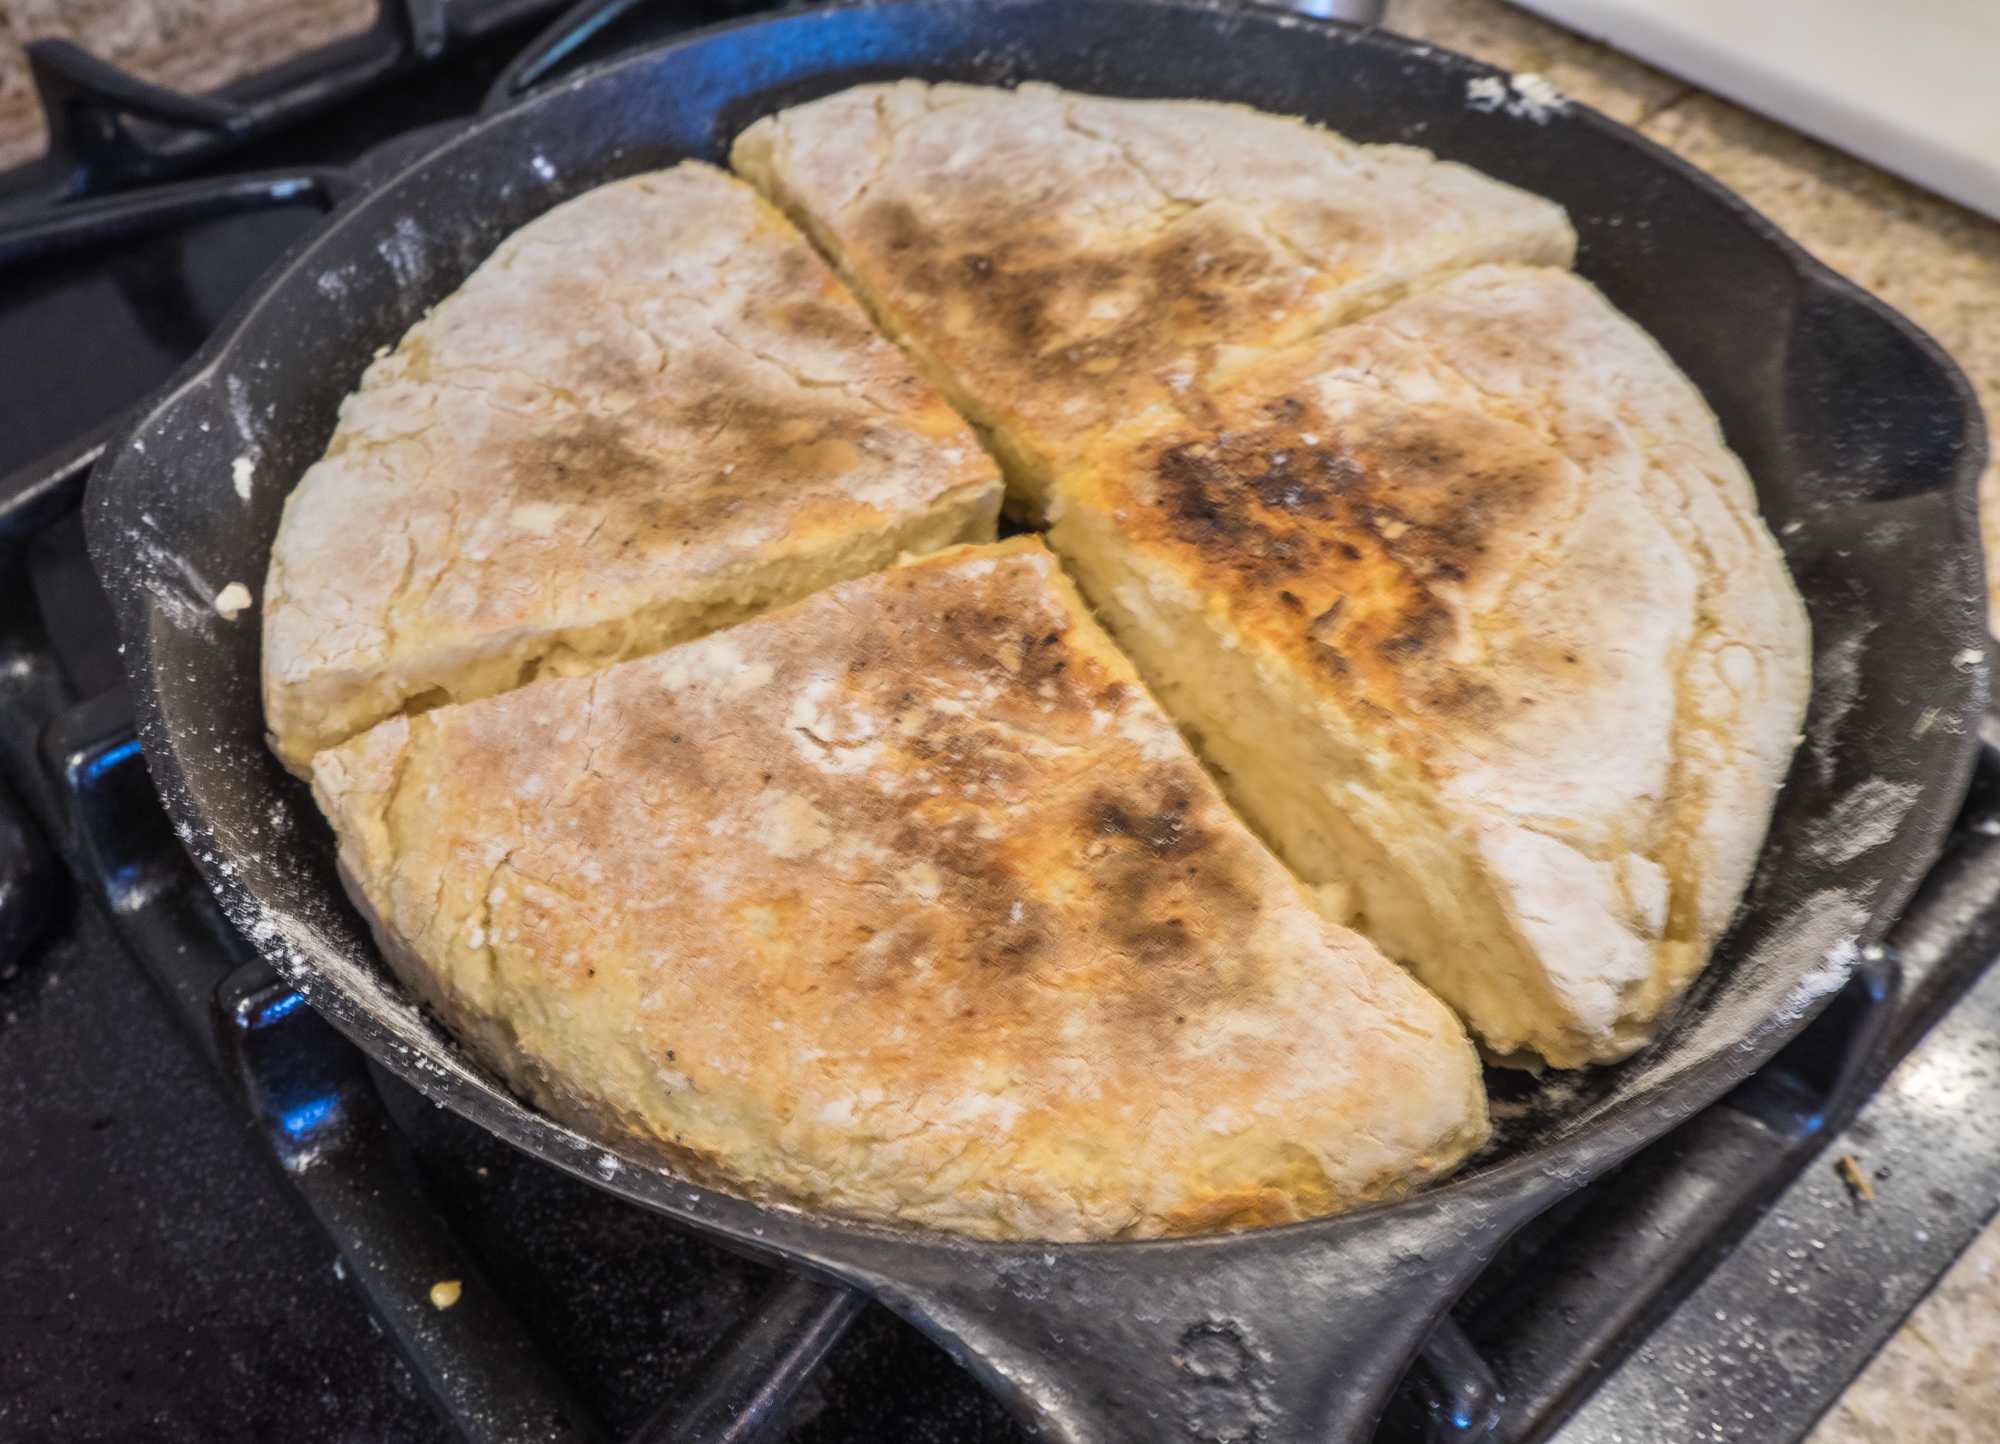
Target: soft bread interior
1367, 830
329, 705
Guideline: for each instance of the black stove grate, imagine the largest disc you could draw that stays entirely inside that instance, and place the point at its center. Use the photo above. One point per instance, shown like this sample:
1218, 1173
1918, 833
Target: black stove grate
110, 131
579, 1316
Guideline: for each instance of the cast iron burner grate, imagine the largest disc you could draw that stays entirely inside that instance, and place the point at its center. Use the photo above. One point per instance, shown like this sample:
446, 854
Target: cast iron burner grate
125, 247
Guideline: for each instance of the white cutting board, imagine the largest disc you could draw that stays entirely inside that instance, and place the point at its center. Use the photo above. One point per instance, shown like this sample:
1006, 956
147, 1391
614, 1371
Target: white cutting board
1912, 85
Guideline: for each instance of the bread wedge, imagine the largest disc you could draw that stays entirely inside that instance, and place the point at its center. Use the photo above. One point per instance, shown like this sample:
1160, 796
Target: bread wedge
905, 901
1056, 261
651, 413
1474, 614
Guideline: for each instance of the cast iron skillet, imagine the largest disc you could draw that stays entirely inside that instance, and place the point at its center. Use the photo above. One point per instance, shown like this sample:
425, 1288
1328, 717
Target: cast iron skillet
1864, 441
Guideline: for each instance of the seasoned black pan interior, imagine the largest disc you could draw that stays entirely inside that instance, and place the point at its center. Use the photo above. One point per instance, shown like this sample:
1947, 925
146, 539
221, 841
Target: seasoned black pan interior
1863, 440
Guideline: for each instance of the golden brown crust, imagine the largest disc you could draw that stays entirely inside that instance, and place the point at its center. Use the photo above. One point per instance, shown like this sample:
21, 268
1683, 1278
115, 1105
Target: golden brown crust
651, 412
1058, 261
1510, 599
906, 902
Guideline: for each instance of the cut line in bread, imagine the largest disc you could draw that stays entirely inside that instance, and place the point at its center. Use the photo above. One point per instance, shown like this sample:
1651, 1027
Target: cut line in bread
652, 413
1057, 261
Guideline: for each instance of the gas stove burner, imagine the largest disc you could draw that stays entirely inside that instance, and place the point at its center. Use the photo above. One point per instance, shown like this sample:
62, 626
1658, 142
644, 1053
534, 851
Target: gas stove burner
1724, 1282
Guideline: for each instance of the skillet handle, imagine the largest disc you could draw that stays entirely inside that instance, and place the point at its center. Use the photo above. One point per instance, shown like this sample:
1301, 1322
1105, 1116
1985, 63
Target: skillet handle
307, 1089
1291, 1335
751, 1376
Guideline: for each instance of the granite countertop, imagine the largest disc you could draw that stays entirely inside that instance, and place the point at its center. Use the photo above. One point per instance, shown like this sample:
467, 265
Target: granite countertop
1936, 1381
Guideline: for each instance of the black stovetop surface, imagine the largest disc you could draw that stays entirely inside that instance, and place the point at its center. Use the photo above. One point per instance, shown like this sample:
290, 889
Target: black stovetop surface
156, 1281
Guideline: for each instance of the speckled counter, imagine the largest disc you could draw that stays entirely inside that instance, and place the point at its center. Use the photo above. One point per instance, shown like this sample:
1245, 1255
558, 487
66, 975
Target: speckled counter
1936, 1382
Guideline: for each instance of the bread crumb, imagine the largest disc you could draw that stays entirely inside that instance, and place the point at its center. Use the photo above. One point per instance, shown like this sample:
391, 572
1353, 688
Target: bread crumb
1856, 1181
231, 600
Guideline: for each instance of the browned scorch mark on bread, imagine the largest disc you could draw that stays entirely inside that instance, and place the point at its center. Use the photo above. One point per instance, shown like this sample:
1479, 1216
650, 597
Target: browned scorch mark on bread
1350, 539
1016, 287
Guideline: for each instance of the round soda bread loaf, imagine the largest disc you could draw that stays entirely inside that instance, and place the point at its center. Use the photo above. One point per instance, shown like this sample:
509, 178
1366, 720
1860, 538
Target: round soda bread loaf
907, 900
